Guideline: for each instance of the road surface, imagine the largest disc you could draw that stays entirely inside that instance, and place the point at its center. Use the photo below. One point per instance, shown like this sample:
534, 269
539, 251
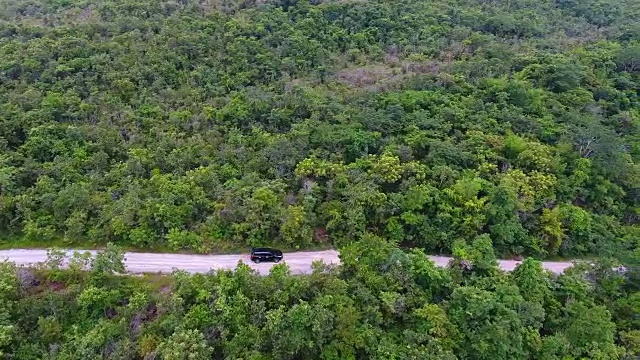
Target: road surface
299, 262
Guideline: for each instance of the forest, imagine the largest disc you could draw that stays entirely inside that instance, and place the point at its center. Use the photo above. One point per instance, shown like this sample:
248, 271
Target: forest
215, 125
381, 303
388, 130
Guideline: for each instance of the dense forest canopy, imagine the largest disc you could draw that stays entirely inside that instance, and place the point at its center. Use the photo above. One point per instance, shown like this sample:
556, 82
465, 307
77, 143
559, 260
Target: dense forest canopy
387, 129
211, 125
382, 303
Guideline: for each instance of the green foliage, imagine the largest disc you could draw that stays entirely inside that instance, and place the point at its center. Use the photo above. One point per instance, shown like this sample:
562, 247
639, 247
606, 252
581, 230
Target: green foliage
382, 303
185, 345
109, 261
474, 128
8, 296
206, 125
497, 330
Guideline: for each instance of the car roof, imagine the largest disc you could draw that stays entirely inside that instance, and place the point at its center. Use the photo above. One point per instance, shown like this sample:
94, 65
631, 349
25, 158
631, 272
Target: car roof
264, 250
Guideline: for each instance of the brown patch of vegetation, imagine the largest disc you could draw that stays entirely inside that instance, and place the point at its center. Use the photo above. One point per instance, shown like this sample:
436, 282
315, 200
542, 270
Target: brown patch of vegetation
365, 76
320, 235
377, 77
429, 67
27, 279
57, 286
110, 313
149, 314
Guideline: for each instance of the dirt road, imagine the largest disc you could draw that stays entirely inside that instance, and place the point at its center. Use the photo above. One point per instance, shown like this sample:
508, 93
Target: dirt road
299, 262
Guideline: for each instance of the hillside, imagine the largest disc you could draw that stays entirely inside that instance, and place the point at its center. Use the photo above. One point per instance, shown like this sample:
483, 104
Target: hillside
386, 130
213, 125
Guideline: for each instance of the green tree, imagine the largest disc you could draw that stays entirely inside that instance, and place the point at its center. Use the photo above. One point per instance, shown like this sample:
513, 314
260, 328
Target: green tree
8, 297
185, 344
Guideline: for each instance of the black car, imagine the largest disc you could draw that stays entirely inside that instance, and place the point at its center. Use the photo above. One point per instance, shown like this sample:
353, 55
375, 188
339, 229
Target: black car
265, 254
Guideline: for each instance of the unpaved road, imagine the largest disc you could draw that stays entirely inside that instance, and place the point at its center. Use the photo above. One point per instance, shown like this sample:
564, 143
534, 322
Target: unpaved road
299, 262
